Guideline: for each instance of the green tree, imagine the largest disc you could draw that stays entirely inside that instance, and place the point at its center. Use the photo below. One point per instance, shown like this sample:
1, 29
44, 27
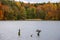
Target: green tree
41, 14
31, 13
21, 14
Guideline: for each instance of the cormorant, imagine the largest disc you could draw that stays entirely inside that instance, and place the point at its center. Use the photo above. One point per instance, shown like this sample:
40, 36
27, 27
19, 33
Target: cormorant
38, 31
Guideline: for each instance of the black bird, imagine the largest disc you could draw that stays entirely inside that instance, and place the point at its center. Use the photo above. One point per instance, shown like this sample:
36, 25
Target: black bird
38, 32
31, 35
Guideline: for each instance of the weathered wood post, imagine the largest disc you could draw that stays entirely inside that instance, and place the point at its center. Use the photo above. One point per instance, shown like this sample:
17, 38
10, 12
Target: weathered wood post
19, 32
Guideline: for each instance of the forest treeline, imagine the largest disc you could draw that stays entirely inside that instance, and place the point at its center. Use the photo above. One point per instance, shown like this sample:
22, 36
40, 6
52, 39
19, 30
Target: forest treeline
13, 10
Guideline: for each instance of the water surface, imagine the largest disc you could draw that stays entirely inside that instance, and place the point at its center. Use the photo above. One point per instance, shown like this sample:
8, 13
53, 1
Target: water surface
9, 30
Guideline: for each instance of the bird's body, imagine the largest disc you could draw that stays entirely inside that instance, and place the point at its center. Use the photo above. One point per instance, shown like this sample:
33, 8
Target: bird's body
38, 32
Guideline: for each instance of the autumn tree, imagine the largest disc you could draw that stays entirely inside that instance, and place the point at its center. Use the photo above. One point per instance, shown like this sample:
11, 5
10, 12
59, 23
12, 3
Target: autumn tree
1, 11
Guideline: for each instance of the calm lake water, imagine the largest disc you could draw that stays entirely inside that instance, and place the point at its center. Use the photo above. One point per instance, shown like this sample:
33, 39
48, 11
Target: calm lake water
50, 30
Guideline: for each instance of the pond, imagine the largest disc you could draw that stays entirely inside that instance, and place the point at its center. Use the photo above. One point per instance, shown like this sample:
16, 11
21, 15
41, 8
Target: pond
50, 30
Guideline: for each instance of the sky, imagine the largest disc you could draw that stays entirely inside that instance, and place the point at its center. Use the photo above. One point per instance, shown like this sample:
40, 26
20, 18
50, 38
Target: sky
38, 1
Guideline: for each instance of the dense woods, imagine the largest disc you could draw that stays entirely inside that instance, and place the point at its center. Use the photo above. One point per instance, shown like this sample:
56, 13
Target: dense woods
13, 10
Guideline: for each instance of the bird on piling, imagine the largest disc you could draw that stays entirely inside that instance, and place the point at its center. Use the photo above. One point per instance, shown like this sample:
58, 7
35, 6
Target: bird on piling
38, 31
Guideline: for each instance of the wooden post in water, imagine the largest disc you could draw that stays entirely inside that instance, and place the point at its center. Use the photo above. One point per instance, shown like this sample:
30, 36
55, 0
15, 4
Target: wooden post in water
19, 32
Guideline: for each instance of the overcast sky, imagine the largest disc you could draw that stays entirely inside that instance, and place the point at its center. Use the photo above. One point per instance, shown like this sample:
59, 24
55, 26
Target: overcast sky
38, 1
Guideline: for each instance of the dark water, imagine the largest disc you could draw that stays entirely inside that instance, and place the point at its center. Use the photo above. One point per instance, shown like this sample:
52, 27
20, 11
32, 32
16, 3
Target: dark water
9, 30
